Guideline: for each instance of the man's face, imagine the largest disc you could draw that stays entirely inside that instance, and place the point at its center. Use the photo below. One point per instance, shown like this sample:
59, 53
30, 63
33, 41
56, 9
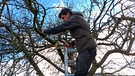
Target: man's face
65, 17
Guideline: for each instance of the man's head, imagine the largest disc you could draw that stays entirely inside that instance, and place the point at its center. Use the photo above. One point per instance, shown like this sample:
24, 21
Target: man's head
65, 14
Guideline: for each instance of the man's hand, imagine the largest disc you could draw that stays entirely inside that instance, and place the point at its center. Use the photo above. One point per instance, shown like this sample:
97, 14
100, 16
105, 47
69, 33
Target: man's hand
40, 32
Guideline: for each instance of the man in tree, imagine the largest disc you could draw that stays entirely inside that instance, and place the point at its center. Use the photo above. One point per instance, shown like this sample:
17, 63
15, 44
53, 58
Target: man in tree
80, 31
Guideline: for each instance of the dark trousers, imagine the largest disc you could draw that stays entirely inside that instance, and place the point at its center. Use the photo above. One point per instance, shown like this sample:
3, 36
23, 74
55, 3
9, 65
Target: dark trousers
84, 61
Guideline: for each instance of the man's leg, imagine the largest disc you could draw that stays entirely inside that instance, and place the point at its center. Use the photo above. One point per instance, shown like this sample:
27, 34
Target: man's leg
83, 62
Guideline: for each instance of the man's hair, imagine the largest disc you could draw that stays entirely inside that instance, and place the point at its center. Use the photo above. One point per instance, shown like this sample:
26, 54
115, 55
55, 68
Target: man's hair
64, 12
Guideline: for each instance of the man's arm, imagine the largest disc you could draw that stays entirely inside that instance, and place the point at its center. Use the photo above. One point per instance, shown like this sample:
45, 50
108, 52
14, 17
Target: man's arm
63, 27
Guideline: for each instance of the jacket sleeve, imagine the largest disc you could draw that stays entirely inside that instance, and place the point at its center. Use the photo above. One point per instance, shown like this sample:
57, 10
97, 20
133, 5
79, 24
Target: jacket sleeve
63, 27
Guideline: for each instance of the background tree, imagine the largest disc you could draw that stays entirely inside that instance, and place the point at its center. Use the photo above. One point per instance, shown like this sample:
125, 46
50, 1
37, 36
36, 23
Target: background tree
22, 51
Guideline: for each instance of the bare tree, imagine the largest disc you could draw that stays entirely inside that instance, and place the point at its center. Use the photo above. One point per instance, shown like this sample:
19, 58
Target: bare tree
117, 35
22, 51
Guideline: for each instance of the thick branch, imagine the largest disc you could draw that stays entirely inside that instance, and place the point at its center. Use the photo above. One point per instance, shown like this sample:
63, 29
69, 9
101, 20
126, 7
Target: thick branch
50, 62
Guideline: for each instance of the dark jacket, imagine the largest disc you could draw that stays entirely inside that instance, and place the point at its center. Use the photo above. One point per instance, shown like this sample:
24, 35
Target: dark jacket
79, 30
